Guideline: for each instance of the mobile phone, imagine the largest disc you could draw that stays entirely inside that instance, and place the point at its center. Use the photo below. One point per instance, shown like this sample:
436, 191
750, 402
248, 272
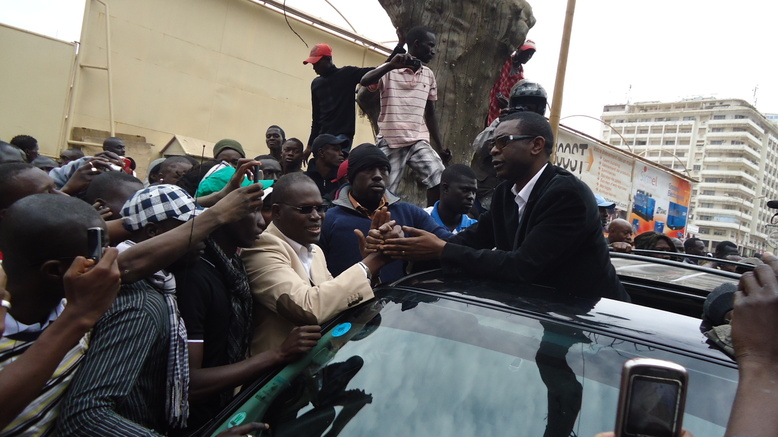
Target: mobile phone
258, 174
413, 63
651, 398
94, 239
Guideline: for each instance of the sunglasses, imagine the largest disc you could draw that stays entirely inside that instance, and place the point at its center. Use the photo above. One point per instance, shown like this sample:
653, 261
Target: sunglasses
502, 141
307, 209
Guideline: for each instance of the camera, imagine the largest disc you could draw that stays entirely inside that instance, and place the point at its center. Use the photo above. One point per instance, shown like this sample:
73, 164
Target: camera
413, 63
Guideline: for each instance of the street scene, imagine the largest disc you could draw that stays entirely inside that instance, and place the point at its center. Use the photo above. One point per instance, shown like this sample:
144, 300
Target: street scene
322, 218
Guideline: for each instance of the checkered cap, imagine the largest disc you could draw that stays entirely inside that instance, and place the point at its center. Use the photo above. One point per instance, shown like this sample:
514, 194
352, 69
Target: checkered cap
156, 204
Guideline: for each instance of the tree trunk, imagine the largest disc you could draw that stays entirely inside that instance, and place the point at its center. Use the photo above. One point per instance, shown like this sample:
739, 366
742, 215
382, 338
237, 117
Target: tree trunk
474, 38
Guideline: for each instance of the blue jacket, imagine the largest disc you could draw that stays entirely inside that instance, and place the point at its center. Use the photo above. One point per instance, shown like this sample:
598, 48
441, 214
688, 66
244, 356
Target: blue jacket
341, 246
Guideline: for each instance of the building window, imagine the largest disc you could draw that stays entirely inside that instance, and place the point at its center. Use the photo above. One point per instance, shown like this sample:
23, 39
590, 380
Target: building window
708, 192
696, 168
718, 232
737, 143
717, 129
706, 205
739, 117
716, 143
719, 117
704, 231
659, 119
688, 119
669, 142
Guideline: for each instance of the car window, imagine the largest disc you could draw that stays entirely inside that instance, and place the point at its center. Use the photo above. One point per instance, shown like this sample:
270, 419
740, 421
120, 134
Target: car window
410, 365
677, 274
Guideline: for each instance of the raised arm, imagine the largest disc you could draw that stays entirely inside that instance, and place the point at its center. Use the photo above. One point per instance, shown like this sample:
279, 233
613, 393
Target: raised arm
373, 76
90, 292
754, 323
142, 259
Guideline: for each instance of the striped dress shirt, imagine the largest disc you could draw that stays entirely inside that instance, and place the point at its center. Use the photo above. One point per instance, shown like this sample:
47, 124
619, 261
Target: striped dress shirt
119, 388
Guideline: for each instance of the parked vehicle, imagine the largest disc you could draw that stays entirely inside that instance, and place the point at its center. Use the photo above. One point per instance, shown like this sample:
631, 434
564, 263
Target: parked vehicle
453, 356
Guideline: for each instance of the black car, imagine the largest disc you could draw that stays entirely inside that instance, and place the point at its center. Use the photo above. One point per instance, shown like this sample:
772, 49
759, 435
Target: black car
449, 356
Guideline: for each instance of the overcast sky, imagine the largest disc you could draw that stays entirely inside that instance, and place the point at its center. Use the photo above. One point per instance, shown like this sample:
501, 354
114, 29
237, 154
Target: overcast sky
621, 50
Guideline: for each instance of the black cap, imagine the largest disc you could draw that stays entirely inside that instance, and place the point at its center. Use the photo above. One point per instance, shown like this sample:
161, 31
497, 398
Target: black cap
366, 156
324, 139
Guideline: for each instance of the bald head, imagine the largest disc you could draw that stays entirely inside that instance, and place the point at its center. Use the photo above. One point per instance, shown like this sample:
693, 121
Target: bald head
115, 145
19, 180
619, 230
10, 153
44, 227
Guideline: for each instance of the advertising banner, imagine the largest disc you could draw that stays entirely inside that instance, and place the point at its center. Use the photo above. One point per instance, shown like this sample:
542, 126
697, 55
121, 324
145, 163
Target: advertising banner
660, 202
649, 196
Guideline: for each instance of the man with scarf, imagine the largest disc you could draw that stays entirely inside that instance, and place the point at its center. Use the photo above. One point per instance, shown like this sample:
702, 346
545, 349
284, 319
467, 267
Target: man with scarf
135, 378
215, 301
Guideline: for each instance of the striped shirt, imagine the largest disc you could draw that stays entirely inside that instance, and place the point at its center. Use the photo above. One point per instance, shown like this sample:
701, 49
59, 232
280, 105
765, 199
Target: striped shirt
119, 388
404, 96
39, 416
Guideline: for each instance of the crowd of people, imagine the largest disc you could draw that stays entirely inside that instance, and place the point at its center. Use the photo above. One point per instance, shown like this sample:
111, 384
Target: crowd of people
213, 272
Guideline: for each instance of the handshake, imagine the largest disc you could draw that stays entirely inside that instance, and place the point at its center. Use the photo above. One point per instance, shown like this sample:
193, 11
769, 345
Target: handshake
392, 241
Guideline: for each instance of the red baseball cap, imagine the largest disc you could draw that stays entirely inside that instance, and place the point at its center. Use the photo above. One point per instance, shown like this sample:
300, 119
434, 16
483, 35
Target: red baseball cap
317, 52
342, 171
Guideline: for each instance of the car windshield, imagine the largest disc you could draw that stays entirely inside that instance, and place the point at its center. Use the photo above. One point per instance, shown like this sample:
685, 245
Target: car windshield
415, 365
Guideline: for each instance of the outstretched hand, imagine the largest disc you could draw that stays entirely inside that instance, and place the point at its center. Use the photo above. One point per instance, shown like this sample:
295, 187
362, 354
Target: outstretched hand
381, 218
418, 245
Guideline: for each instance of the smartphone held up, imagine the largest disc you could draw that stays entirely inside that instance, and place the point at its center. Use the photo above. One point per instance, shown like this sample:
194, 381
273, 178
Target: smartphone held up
94, 238
651, 398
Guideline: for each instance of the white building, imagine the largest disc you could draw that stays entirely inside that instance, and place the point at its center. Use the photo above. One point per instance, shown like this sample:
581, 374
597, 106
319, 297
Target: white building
726, 145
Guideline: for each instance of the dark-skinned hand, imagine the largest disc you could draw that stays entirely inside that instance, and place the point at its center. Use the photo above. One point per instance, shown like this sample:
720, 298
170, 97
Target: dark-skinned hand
299, 341
418, 245
380, 218
755, 315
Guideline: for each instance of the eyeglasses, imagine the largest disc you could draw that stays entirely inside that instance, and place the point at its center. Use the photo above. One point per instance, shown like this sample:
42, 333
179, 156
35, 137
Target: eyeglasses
502, 141
307, 209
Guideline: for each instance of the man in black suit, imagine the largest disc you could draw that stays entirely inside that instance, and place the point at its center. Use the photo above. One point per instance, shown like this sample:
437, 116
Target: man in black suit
544, 225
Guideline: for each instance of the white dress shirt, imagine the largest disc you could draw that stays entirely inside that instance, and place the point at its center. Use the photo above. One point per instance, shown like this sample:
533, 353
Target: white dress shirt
522, 195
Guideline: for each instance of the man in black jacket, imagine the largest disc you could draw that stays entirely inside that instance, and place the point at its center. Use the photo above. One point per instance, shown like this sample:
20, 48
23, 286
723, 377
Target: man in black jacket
543, 228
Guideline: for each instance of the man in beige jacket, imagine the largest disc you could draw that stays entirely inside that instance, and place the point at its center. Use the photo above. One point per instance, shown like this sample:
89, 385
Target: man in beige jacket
287, 270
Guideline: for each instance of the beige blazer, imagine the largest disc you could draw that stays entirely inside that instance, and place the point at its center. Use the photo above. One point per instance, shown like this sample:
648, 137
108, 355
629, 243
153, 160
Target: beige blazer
284, 295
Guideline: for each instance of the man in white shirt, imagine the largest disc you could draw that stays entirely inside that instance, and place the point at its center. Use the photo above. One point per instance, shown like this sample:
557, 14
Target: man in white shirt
288, 272
543, 227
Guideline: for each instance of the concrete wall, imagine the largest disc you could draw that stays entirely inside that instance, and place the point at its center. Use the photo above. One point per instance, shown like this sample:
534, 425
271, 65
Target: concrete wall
207, 69
36, 72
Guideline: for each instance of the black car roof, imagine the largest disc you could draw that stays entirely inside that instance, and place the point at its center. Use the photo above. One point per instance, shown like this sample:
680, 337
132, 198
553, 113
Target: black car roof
658, 328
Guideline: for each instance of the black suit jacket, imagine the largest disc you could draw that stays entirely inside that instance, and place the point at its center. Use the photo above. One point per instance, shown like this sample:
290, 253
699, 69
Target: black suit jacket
558, 243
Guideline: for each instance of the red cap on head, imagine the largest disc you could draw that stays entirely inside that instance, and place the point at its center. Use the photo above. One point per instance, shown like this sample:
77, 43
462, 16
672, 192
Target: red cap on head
317, 52
342, 171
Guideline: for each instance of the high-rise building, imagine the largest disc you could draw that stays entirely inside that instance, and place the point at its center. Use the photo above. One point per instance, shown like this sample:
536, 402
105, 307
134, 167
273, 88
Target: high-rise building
726, 145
